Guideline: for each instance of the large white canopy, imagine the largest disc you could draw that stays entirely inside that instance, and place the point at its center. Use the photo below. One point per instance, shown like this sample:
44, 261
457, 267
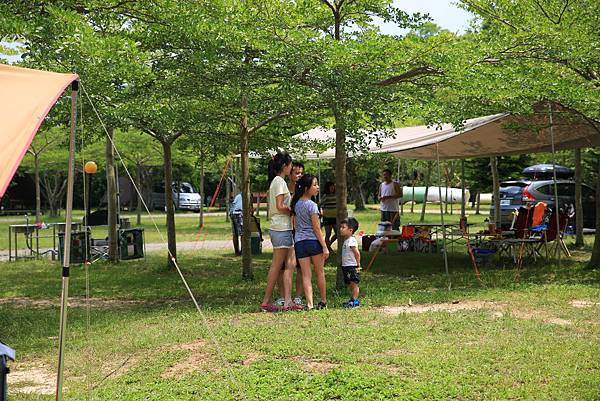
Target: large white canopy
498, 134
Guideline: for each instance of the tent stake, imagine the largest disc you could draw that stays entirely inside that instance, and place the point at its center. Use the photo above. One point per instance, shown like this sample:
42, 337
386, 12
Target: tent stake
67, 244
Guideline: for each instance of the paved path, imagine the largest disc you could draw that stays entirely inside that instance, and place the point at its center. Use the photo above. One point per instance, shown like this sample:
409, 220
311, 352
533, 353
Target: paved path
207, 244
160, 247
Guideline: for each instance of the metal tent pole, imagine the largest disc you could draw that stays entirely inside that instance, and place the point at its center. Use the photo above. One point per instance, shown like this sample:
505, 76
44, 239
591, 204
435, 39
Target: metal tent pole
67, 244
463, 211
437, 152
319, 169
556, 209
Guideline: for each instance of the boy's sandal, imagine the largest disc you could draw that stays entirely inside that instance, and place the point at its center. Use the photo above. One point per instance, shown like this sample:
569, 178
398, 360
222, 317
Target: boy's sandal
321, 305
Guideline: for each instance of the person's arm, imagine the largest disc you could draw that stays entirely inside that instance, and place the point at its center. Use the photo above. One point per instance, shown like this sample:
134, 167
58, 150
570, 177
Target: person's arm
381, 198
356, 255
281, 206
316, 224
397, 190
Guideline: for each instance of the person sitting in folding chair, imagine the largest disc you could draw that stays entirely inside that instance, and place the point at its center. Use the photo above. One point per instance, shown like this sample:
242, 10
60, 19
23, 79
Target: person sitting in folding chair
236, 217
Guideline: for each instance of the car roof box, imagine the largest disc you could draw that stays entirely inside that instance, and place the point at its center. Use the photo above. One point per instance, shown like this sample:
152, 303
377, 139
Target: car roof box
545, 171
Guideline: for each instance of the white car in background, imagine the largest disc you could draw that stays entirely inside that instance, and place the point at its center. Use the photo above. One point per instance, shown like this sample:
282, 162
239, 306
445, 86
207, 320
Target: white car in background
185, 197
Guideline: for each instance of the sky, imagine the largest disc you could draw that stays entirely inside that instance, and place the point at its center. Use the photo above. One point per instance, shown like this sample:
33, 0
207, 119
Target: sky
445, 13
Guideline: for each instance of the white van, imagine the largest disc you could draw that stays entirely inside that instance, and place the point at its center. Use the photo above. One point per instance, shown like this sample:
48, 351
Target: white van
185, 197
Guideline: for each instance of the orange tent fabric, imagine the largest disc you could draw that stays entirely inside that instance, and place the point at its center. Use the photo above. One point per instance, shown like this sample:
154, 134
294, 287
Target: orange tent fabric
26, 97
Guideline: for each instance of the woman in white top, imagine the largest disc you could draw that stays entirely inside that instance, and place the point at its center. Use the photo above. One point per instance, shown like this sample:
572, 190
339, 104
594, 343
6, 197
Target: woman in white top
280, 230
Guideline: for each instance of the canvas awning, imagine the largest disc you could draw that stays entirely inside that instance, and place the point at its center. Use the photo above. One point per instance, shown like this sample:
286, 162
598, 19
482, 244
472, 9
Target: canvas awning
494, 135
26, 97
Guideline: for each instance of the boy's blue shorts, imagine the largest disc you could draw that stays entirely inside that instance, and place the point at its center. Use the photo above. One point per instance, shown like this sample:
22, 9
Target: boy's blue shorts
350, 274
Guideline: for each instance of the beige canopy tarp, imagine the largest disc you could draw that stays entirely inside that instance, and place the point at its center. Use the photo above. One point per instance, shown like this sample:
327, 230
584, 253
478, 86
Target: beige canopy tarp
26, 97
499, 134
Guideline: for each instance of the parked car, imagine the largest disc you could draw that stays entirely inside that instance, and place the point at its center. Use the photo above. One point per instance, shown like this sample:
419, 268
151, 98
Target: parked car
517, 193
184, 197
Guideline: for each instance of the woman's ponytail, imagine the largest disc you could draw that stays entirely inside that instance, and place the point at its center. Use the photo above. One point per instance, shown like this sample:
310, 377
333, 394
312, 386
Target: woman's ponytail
302, 185
276, 164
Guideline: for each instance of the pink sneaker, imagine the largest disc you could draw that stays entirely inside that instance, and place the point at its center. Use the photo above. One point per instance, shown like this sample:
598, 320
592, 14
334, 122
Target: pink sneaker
269, 308
293, 307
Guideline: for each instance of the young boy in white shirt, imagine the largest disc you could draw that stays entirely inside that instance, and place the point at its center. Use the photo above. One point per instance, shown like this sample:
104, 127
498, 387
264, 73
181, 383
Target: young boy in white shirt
350, 260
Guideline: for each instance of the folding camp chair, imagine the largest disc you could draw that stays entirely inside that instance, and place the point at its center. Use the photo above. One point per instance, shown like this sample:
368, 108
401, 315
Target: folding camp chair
551, 234
539, 212
523, 222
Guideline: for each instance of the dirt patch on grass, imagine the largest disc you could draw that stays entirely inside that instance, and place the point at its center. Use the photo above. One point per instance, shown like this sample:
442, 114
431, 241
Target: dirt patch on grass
251, 357
497, 310
450, 307
315, 365
580, 303
31, 379
80, 302
539, 315
200, 359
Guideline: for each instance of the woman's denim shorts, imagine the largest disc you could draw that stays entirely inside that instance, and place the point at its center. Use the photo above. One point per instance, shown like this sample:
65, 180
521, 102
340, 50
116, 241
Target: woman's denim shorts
282, 239
307, 248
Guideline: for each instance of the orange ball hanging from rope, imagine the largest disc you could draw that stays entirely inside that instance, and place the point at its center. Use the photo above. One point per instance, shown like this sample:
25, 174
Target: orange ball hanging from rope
90, 167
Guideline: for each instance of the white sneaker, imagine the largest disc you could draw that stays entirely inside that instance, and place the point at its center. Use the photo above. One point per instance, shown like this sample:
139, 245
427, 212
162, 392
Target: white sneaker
280, 302
297, 301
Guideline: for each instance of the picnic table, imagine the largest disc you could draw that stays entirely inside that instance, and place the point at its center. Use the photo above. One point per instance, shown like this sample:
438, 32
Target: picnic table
31, 233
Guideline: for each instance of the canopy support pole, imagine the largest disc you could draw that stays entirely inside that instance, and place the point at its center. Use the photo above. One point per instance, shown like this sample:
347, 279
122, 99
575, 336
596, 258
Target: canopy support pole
556, 209
398, 179
445, 251
319, 169
67, 244
463, 207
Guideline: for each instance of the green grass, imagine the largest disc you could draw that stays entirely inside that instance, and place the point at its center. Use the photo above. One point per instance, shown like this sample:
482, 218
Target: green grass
515, 348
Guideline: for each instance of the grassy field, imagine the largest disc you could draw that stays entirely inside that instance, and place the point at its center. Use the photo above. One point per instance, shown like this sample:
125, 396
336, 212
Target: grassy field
215, 227
516, 334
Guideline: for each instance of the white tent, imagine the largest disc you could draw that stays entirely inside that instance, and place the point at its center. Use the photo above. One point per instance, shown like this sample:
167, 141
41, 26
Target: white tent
498, 134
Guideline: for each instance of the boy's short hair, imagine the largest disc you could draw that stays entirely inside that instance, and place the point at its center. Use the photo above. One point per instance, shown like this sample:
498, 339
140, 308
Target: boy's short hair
387, 170
298, 164
352, 224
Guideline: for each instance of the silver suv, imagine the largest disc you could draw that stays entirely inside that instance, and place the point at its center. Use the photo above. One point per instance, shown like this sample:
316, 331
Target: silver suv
517, 193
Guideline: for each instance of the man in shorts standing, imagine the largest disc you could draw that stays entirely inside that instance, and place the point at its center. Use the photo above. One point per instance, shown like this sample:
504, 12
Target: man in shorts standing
389, 194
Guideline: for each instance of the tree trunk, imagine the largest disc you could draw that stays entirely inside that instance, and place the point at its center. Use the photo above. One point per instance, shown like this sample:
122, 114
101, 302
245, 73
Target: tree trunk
427, 182
578, 201
595, 260
171, 236
341, 188
111, 195
356, 187
38, 194
359, 197
496, 190
201, 217
138, 184
247, 272
227, 193
477, 202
